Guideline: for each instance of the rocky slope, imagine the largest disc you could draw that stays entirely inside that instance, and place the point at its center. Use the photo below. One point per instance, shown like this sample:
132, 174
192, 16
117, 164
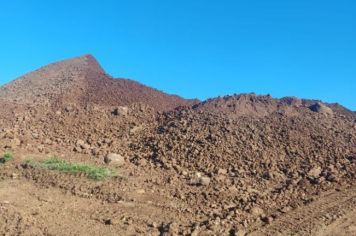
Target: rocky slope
81, 81
231, 165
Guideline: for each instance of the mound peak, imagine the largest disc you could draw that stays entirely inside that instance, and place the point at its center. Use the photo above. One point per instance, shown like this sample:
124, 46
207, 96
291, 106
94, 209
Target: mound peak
87, 61
82, 81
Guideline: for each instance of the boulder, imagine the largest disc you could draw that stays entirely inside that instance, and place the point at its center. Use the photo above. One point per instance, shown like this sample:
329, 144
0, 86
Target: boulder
120, 111
114, 159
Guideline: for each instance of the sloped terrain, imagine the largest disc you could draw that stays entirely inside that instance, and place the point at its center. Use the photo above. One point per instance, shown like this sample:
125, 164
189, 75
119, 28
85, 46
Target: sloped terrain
233, 165
81, 81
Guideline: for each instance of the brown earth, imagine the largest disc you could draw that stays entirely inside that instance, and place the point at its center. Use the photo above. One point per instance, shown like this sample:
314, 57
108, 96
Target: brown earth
233, 165
83, 82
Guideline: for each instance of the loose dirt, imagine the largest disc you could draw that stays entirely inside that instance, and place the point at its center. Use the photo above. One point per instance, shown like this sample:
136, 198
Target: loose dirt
233, 165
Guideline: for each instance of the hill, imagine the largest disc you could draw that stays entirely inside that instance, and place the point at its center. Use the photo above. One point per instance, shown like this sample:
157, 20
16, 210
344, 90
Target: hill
82, 81
229, 165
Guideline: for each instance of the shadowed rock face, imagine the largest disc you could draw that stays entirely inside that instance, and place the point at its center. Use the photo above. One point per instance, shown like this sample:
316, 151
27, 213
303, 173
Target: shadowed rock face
82, 81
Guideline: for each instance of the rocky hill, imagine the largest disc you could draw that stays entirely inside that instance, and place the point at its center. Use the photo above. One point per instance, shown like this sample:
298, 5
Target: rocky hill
81, 81
230, 165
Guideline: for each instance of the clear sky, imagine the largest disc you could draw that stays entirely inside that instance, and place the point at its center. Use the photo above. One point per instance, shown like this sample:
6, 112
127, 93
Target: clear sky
194, 48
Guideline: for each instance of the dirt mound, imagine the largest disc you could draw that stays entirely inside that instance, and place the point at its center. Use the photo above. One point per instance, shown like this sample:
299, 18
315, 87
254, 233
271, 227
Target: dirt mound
260, 106
212, 136
82, 81
226, 166
259, 154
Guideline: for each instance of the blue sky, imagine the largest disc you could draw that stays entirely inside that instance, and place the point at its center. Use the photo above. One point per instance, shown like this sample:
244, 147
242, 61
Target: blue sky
194, 48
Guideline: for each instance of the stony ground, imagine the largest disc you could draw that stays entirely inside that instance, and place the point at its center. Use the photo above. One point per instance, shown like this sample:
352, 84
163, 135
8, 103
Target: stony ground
43, 202
233, 165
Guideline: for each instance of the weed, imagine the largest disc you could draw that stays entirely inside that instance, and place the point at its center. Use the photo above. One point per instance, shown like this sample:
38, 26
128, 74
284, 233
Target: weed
54, 163
7, 156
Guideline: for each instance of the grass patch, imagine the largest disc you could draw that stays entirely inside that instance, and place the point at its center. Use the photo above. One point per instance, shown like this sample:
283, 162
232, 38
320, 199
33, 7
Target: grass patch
7, 156
54, 163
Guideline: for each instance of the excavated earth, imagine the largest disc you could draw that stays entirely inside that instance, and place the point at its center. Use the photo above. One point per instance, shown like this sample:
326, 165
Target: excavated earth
234, 165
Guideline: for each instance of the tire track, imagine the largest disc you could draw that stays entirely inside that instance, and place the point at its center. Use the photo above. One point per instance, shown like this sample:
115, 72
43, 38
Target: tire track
310, 219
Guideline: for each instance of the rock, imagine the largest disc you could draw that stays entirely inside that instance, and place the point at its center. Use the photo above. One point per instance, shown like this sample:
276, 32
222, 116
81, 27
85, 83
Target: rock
140, 191
68, 108
241, 232
267, 219
107, 141
198, 175
332, 178
172, 229
40, 148
257, 211
85, 146
136, 129
321, 108
195, 232
82, 145
95, 151
35, 135
233, 189
114, 159
153, 225
14, 175
204, 180
47, 141
285, 209
199, 179
112, 221
15, 142
315, 172
120, 111
77, 149
80, 142
142, 162
222, 171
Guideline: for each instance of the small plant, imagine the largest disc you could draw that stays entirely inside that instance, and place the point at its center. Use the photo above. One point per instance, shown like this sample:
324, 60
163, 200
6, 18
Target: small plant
7, 156
54, 163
